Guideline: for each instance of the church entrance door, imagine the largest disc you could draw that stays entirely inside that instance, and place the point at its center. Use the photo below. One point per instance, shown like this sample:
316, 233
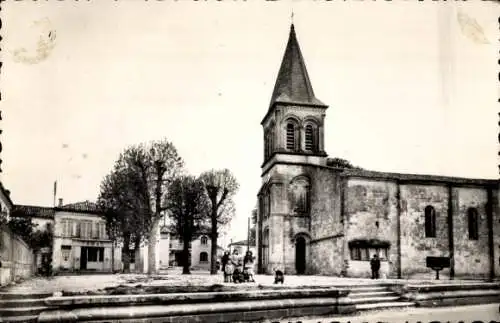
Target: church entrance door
300, 255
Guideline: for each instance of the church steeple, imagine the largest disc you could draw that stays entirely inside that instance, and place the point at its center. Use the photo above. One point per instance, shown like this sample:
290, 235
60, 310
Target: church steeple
293, 124
293, 84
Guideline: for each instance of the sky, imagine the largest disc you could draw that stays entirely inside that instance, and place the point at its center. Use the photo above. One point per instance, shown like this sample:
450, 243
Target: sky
411, 87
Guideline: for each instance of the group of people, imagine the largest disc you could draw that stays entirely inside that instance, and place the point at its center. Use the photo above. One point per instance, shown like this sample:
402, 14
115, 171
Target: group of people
237, 268
240, 269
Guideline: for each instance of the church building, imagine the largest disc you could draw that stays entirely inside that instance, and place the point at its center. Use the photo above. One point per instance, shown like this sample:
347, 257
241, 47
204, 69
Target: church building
315, 218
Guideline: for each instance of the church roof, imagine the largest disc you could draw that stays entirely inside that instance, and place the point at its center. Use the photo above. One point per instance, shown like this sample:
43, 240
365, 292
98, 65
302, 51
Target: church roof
293, 84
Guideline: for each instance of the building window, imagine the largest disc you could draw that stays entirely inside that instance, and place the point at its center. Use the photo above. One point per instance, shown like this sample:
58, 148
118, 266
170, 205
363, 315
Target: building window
290, 136
365, 253
95, 254
77, 230
268, 204
430, 222
65, 227
95, 231
265, 247
86, 229
204, 240
65, 251
102, 230
92, 255
268, 143
203, 257
473, 222
309, 138
300, 188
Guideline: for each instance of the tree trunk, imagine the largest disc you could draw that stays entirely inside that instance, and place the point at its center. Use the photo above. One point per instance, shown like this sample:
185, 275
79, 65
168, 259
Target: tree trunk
186, 264
213, 247
113, 256
139, 266
152, 247
126, 253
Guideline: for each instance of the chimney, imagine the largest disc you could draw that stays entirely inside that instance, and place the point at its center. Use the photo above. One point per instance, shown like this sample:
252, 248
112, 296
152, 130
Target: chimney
60, 202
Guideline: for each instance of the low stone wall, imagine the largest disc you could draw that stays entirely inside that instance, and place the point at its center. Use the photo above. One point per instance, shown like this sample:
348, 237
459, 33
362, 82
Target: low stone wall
452, 294
199, 307
17, 259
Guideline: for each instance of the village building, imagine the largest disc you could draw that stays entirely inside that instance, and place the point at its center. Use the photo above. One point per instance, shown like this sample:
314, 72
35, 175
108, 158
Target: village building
200, 251
80, 239
242, 247
42, 219
315, 218
81, 244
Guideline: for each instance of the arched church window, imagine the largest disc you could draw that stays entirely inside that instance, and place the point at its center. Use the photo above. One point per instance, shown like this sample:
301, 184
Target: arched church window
430, 222
309, 138
301, 194
265, 247
290, 136
269, 143
473, 221
204, 240
268, 204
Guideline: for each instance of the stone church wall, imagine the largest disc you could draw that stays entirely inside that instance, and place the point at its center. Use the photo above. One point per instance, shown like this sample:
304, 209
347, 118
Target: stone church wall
371, 213
471, 256
415, 247
323, 221
326, 225
326, 257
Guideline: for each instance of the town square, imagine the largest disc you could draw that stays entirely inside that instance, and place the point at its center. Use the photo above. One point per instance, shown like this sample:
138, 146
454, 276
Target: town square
237, 161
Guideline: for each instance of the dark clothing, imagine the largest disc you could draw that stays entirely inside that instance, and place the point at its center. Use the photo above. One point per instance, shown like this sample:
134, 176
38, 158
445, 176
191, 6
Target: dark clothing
375, 265
224, 261
247, 259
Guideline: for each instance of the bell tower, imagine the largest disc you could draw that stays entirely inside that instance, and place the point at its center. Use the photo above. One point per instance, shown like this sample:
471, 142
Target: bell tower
294, 123
293, 146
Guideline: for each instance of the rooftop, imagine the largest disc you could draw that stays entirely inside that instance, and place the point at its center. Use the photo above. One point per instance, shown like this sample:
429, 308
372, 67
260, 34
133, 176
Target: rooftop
292, 83
83, 207
33, 211
240, 243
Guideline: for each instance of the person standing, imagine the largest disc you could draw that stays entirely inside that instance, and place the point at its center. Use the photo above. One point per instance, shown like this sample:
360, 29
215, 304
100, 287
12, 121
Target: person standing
224, 262
375, 266
248, 264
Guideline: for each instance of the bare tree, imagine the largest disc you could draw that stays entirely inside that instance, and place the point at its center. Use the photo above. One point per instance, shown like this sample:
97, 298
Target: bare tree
185, 203
143, 175
220, 187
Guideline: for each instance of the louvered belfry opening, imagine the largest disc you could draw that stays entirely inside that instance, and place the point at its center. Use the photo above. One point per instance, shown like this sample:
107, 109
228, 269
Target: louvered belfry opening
309, 138
290, 136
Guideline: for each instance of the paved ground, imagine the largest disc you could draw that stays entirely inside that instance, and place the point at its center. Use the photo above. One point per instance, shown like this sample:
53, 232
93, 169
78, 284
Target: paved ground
173, 277
465, 314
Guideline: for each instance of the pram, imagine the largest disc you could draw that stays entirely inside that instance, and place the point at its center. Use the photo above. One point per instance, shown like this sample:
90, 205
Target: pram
242, 276
238, 275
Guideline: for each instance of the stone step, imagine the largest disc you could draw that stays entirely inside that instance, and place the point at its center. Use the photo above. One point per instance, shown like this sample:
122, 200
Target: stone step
23, 295
367, 289
16, 303
22, 311
19, 319
371, 294
380, 299
383, 305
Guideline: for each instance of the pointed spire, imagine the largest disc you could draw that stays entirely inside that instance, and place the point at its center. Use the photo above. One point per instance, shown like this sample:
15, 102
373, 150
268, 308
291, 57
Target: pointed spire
293, 84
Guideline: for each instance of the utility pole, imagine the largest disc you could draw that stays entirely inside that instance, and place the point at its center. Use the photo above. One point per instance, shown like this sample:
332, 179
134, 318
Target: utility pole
248, 235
